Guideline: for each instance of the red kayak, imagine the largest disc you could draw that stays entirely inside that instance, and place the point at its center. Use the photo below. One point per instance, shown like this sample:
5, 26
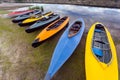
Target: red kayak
17, 13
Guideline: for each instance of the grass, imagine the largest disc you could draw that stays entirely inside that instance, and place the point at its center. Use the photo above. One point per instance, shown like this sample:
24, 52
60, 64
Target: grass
116, 40
4, 26
16, 38
3, 11
17, 48
119, 42
6, 63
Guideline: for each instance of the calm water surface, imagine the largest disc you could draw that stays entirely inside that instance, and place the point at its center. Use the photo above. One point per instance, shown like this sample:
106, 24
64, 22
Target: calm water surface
109, 17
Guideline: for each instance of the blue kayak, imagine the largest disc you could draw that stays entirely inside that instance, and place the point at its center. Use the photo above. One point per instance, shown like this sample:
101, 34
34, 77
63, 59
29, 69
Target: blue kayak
66, 46
25, 16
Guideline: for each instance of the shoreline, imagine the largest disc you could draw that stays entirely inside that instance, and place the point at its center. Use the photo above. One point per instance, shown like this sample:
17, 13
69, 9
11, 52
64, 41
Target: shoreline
78, 4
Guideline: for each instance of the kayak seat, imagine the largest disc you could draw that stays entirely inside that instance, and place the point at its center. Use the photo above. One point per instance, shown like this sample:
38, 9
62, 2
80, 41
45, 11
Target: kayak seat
97, 52
51, 16
98, 30
57, 24
43, 19
53, 27
64, 18
75, 27
99, 41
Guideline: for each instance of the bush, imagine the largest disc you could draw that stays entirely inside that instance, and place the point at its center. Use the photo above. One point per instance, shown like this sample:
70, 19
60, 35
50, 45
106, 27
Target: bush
36, 7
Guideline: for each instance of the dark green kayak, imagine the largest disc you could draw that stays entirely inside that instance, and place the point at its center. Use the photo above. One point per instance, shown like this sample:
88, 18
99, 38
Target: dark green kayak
42, 23
25, 16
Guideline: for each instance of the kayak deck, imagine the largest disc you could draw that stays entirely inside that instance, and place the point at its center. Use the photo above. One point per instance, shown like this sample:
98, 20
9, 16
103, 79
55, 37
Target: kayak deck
42, 23
51, 30
57, 24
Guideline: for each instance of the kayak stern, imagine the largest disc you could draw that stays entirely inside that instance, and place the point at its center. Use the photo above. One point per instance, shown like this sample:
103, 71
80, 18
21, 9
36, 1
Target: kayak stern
36, 43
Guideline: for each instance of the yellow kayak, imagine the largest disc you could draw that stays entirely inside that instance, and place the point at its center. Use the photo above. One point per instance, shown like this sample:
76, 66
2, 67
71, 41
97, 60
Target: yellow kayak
51, 30
35, 18
100, 56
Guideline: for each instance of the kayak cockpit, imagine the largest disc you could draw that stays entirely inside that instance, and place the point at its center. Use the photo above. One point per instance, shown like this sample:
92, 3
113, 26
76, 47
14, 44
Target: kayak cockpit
74, 29
47, 18
57, 24
32, 16
100, 44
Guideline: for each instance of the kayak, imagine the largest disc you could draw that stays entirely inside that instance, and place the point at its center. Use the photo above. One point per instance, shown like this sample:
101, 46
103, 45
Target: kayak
25, 16
51, 30
33, 19
65, 47
100, 54
17, 13
42, 23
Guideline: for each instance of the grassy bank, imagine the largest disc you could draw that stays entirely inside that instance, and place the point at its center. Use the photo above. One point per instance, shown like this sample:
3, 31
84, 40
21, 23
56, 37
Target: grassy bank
3, 11
26, 63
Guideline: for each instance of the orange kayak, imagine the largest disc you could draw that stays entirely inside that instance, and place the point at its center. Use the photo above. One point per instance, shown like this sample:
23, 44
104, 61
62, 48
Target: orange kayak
51, 30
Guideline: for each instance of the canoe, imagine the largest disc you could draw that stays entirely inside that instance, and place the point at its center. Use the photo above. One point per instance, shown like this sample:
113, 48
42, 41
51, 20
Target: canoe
33, 19
65, 47
25, 16
42, 23
51, 30
17, 13
100, 54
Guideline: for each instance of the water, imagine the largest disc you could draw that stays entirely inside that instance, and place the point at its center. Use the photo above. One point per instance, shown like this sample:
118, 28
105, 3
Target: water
86, 12
108, 16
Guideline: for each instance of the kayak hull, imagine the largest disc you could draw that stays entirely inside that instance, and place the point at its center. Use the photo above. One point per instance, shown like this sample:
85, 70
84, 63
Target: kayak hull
96, 70
44, 34
18, 13
41, 24
64, 50
30, 21
16, 21
25, 16
28, 30
25, 24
